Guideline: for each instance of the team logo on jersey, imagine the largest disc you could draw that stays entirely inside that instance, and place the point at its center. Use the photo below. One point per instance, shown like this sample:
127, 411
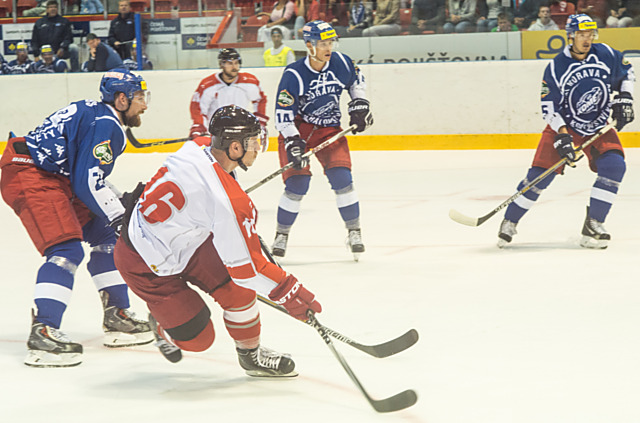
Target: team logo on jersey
285, 99
544, 91
589, 101
103, 152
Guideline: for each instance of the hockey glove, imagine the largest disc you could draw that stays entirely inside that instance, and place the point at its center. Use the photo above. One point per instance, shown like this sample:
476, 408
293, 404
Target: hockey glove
295, 298
360, 114
622, 106
295, 147
564, 146
197, 131
116, 225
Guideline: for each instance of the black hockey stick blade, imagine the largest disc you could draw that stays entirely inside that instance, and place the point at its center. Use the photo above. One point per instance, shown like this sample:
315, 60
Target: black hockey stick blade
137, 144
397, 402
383, 350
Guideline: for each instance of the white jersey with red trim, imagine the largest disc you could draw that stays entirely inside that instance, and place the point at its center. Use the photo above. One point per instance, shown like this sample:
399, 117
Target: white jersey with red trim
189, 198
213, 93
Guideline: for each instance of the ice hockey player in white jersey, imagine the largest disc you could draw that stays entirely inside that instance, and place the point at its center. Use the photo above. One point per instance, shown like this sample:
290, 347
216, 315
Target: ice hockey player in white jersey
54, 180
577, 98
194, 227
308, 113
225, 88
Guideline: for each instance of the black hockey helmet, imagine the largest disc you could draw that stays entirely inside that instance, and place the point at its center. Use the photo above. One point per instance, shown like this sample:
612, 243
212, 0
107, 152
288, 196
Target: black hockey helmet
233, 123
228, 54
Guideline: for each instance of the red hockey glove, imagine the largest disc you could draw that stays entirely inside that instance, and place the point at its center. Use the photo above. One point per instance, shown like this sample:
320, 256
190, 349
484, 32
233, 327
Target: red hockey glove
197, 131
262, 118
295, 298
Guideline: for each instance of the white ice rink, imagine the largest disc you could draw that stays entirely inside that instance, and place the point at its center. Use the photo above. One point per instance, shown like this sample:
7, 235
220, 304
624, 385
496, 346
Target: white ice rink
540, 332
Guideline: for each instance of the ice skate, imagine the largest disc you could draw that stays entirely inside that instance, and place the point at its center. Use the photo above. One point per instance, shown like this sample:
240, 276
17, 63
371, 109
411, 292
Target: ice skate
594, 235
354, 242
263, 362
168, 350
280, 244
121, 328
50, 347
506, 233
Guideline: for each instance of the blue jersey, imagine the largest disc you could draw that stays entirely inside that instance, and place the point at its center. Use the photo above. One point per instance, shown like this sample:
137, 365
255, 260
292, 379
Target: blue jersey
578, 93
15, 68
315, 96
82, 142
56, 66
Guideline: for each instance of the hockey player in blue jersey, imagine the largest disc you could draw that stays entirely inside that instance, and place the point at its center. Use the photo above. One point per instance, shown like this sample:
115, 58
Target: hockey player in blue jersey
577, 92
307, 113
54, 180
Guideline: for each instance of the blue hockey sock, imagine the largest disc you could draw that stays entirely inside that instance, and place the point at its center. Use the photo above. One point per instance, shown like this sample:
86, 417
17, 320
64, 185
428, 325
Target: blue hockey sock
611, 168
341, 182
101, 267
54, 282
522, 204
295, 189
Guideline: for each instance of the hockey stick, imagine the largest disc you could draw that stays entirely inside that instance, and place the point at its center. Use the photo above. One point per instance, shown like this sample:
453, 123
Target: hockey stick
137, 144
477, 221
382, 350
309, 153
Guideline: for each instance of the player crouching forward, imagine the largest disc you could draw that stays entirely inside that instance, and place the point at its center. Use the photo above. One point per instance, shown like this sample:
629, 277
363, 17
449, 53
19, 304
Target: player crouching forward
576, 103
193, 224
308, 113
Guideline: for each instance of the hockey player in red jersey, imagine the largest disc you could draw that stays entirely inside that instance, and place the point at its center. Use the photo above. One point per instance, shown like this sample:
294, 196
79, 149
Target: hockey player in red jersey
194, 223
225, 88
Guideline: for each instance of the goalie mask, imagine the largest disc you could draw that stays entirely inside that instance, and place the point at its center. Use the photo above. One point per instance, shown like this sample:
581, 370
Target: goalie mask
232, 123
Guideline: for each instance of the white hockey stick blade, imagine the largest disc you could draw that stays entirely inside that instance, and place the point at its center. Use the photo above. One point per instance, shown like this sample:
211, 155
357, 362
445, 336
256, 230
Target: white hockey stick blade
456, 216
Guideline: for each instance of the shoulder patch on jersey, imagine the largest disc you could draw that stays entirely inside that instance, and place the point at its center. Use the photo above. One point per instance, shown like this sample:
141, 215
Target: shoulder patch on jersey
625, 61
544, 90
103, 152
285, 99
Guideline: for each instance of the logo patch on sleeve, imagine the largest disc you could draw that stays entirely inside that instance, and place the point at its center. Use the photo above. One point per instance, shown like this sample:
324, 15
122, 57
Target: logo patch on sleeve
285, 99
625, 61
544, 90
103, 152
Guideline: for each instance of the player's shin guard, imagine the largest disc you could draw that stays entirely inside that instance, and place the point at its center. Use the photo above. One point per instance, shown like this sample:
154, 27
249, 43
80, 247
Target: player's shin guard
288, 208
54, 282
611, 169
341, 182
243, 323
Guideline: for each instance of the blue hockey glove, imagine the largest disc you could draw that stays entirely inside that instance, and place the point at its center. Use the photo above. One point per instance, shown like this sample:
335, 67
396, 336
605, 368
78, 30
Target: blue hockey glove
295, 147
622, 106
360, 114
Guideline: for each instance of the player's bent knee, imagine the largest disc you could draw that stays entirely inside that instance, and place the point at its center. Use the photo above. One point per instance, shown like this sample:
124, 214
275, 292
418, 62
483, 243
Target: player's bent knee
536, 171
68, 251
612, 165
339, 177
201, 342
197, 334
298, 184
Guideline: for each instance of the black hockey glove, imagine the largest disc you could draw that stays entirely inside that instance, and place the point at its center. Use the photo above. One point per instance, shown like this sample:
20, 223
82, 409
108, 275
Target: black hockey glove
295, 147
360, 114
564, 146
622, 106
116, 225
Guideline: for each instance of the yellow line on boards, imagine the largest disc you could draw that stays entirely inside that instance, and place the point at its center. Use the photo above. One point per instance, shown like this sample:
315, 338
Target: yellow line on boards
414, 142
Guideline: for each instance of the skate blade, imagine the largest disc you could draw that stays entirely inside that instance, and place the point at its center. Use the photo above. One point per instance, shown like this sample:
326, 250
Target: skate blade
594, 244
37, 358
270, 374
123, 339
501, 243
356, 257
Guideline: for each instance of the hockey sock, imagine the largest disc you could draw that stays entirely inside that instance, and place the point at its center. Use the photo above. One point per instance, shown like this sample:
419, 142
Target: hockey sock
341, 182
522, 204
295, 188
243, 322
54, 282
611, 168
101, 267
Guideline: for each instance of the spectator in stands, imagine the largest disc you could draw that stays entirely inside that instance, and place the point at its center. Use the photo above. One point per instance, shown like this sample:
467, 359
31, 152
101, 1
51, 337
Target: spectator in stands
91, 7
39, 10
55, 30
337, 15
527, 13
488, 11
49, 63
283, 16
505, 23
386, 21
305, 11
598, 10
544, 21
122, 30
462, 16
21, 64
427, 15
279, 54
132, 64
628, 14
360, 18
101, 56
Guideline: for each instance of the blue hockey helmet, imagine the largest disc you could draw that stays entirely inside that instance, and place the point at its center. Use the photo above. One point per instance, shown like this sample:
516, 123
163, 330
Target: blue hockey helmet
580, 22
315, 31
120, 80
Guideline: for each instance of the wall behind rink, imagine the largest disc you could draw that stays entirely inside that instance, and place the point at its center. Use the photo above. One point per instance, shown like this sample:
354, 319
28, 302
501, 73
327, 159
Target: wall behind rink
467, 105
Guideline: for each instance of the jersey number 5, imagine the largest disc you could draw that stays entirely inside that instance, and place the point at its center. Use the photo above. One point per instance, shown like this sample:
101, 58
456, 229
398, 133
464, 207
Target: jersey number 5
156, 206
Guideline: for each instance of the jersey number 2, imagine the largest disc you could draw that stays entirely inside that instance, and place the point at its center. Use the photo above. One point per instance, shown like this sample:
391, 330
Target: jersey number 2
156, 206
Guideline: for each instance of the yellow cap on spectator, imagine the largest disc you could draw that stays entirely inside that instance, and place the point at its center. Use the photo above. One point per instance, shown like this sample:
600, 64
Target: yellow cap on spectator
46, 49
22, 46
